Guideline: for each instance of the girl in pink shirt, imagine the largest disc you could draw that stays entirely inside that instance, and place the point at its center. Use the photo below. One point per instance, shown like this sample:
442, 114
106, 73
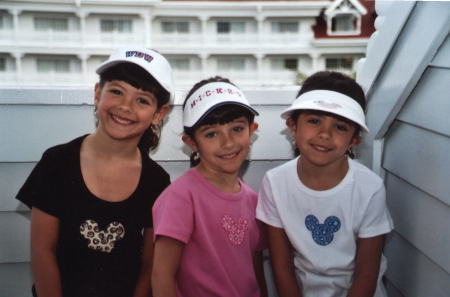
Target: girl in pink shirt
207, 240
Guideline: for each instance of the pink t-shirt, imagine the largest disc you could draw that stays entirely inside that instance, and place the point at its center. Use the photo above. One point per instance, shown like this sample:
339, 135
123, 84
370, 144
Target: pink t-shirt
220, 233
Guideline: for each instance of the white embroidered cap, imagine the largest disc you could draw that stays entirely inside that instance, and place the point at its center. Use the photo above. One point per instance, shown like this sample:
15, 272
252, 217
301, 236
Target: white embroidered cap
210, 96
329, 101
152, 62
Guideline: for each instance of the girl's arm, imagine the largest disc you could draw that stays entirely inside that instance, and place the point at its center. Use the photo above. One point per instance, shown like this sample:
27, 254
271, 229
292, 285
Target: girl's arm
166, 261
44, 237
143, 286
259, 271
282, 263
367, 266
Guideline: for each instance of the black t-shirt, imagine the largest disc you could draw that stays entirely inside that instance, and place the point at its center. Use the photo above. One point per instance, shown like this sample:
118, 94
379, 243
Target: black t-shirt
100, 242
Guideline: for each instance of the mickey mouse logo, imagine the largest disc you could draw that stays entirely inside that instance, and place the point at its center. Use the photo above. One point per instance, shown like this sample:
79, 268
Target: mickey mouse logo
100, 240
235, 229
322, 234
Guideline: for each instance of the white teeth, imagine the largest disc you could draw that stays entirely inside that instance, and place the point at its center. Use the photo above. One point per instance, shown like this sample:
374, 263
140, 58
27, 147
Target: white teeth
229, 156
321, 148
121, 120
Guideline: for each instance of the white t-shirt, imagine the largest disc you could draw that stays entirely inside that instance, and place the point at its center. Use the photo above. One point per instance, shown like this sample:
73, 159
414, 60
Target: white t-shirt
323, 226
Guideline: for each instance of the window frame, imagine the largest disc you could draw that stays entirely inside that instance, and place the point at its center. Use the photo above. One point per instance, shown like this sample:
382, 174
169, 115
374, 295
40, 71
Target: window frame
118, 25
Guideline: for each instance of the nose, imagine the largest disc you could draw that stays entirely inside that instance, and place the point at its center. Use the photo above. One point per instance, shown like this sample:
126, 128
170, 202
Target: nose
227, 140
125, 104
325, 131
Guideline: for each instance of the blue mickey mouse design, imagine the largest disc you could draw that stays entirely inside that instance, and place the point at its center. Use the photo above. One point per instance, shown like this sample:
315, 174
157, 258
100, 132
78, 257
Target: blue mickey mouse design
322, 233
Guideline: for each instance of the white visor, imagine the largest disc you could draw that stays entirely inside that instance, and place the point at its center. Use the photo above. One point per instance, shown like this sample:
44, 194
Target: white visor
332, 102
210, 96
151, 61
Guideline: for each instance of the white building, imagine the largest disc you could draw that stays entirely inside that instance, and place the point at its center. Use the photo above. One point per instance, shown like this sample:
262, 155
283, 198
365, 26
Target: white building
254, 43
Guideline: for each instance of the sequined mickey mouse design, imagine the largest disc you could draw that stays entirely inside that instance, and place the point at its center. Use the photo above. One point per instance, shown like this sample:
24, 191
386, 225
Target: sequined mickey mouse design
235, 229
101, 240
322, 234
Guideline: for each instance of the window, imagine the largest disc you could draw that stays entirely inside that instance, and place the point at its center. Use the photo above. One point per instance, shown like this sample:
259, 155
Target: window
231, 64
230, 27
343, 23
285, 27
51, 23
2, 64
179, 63
172, 27
283, 64
290, 64
339, 63
53, 65
121, 26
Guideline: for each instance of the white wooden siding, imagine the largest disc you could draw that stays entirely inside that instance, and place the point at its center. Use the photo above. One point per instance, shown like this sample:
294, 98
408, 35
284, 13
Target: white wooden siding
408, 114
412, 272
420, 220
419, 157
15, 280
429, 105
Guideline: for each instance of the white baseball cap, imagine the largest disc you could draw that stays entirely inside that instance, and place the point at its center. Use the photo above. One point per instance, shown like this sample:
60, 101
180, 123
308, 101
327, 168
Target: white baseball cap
210, 96
329, 101
152, 62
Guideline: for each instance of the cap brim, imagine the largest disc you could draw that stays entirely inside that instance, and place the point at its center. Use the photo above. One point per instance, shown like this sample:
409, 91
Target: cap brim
209, 110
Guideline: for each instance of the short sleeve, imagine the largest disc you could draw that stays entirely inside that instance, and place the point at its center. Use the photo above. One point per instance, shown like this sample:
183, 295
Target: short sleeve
266, 210
376, 219
173, 215
41, 188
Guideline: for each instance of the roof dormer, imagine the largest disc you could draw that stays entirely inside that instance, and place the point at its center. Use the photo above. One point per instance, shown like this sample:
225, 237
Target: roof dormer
343, 17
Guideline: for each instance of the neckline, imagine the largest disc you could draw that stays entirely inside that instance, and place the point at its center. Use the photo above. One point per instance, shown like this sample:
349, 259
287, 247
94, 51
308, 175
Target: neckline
324, 193
217, 192
86, 188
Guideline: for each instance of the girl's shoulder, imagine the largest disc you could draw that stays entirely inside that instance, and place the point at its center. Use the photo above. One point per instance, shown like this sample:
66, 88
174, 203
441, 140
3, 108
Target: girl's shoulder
363, 172
64, 148
60, 154
285, 169
152, 168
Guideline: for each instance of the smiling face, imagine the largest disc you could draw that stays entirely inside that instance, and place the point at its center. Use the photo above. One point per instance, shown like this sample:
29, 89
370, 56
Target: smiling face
322, 139
125, 112
222, 148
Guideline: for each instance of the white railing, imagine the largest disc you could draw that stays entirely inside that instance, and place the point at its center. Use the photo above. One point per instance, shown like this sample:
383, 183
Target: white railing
177, 40
183, 79
51, 39
113, 39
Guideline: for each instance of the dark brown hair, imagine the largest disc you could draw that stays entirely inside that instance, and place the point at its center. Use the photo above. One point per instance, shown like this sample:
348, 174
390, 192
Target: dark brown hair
221, 115
139, 78
333, 81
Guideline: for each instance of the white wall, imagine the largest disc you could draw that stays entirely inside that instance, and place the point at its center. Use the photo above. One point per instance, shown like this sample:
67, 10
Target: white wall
406, 76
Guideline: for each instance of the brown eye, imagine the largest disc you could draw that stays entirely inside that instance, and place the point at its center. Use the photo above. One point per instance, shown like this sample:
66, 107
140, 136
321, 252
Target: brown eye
143, 101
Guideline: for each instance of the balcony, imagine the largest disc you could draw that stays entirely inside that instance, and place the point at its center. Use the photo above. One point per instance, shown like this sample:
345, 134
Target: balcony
64, 39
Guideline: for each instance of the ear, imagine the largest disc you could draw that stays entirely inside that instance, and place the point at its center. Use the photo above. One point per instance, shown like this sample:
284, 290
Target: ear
190, 142
160, 114
292, 126
253, 127
355, 141
97, 94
